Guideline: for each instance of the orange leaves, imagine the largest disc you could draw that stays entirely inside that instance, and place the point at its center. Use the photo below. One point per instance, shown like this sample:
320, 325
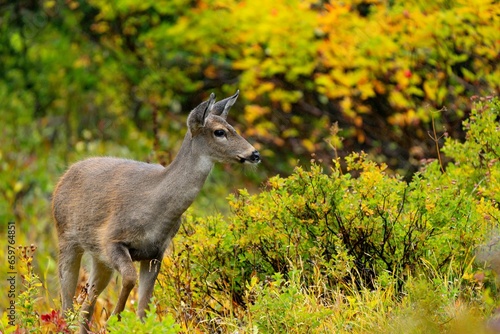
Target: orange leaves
345, 61
407, 50
255, 114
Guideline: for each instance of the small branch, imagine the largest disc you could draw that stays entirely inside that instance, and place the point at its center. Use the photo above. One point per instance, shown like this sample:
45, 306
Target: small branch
436, 139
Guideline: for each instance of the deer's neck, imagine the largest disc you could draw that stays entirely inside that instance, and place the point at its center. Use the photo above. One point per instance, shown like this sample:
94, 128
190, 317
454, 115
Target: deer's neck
184, 178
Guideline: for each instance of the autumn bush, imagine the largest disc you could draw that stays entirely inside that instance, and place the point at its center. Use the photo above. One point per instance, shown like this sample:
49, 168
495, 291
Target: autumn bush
378, 68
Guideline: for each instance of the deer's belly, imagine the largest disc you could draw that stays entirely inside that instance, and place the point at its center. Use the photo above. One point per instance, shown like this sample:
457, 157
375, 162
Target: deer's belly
149, 253
149, 249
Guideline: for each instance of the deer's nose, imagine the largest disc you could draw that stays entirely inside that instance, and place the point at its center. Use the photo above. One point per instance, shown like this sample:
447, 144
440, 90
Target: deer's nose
255, 157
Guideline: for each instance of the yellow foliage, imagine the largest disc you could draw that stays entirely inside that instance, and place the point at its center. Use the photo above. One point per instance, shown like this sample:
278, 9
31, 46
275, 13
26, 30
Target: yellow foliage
253, 112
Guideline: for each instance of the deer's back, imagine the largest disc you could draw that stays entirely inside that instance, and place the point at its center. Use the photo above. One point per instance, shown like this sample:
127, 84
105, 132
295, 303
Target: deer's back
96, 192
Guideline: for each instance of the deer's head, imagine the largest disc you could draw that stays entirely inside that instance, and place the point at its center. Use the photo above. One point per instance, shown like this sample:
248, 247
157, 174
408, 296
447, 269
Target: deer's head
214, 137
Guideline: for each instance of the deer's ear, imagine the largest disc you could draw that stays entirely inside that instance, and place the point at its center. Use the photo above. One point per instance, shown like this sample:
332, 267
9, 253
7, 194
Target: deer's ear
222, 107
198, 116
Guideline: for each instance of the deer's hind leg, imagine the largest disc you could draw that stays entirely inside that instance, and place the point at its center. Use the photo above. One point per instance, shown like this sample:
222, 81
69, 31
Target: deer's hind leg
120, 257
100, 275
70, 256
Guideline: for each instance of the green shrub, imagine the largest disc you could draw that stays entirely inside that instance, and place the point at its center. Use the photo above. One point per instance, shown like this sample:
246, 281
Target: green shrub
285, 306
27, 318
364, 229
128, 322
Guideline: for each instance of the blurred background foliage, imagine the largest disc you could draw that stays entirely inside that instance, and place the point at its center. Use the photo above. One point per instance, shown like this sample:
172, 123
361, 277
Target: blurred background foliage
322, 78
83, 75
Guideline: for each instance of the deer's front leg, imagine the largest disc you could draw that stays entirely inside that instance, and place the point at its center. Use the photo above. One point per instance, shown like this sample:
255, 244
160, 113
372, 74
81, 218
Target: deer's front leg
147, 278
122, 261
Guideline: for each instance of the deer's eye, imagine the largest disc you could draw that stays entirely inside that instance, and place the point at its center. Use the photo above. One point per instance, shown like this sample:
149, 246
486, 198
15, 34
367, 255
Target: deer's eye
219, 133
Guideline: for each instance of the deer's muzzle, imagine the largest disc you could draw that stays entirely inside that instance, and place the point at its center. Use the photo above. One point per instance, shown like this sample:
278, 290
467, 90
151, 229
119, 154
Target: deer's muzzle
253, 158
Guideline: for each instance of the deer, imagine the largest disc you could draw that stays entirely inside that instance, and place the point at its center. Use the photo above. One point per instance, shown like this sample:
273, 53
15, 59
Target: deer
123, 211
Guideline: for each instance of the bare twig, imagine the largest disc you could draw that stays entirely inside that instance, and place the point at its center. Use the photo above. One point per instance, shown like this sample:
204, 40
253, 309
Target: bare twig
436, 139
